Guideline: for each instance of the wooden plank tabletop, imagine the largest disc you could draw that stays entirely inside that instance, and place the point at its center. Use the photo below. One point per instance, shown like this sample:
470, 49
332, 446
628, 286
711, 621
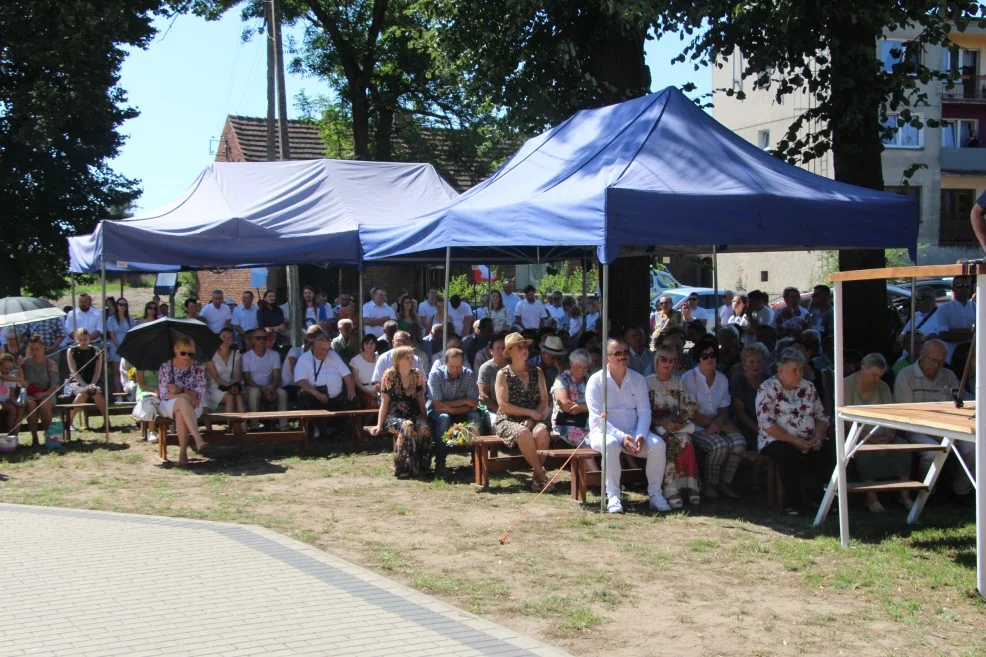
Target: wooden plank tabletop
316, 414
936, 415
922, 271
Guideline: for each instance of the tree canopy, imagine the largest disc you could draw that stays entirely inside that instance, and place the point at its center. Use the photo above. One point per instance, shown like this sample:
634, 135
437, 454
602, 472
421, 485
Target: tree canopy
60, 109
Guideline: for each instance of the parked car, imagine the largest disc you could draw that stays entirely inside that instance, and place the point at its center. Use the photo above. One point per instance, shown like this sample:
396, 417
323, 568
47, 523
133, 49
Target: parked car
661, 281
706, 296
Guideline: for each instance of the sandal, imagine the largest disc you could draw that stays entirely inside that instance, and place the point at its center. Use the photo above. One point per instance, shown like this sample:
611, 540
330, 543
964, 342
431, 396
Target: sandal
694, 500
675, 502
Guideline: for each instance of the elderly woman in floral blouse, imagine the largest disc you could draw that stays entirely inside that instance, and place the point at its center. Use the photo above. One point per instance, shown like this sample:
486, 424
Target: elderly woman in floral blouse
792, 423
181, 386
671, 412
570, 416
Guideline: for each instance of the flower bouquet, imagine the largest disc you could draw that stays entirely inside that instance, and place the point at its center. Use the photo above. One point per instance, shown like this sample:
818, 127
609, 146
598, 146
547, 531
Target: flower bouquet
460, 434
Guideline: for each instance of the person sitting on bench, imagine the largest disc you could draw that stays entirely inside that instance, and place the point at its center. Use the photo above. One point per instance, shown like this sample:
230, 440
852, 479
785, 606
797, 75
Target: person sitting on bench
262, 375
324, 380
454, 398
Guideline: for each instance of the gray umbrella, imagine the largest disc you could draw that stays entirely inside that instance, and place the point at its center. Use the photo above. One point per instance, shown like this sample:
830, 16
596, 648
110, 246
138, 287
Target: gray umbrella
24, 310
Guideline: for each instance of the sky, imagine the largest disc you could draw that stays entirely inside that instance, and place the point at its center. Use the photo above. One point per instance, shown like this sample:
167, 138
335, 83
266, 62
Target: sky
195, 72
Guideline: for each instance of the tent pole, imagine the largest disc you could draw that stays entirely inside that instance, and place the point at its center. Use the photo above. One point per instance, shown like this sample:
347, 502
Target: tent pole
294, 306
840, 427
448, 265
980, 347
603, 288
914, 287
107, 390
489, 288
72, 276
359, 304
715, 286
122, 280
585, 284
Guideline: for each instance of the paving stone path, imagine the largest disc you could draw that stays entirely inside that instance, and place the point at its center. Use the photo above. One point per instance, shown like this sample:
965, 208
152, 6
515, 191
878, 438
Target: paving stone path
93, 584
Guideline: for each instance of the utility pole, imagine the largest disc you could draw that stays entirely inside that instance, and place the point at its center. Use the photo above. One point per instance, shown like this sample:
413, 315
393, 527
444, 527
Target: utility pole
275, 78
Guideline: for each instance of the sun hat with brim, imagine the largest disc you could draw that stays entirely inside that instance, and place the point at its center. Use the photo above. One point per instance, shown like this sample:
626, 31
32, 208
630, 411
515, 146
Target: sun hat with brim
553, 345
514, 340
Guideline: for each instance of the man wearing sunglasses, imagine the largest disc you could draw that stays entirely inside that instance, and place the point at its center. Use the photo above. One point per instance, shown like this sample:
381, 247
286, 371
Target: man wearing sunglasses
956, 319
627, 426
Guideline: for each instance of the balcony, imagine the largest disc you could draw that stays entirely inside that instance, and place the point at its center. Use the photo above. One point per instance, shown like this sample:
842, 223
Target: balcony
963, 160
966, 89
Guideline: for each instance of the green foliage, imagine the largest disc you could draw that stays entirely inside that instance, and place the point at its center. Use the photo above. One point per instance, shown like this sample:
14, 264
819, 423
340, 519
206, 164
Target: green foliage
461, 285
569, 280
188, 285
60, 109
894, 258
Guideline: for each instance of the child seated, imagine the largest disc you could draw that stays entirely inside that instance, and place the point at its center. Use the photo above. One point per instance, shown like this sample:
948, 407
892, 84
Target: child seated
10, 381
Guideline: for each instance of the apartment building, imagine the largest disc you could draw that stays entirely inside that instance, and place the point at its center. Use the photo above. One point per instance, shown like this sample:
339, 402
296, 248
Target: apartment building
954, 159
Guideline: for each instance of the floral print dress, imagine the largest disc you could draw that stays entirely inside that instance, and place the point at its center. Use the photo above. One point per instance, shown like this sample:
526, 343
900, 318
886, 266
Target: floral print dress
412, 449
670, 400
571, 434
795, 411
508, 427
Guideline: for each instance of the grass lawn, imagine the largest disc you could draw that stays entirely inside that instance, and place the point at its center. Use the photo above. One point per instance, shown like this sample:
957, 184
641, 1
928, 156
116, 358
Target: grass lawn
730, 579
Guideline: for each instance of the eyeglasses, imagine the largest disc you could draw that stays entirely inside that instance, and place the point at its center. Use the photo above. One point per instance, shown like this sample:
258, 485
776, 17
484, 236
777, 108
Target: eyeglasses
619, 354
706, 355
665, 303
186, 353
666, 360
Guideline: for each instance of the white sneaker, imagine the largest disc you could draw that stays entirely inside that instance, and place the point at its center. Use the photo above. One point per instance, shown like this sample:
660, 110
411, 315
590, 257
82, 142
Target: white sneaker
315, 432
152, 436
658, 503
613, 505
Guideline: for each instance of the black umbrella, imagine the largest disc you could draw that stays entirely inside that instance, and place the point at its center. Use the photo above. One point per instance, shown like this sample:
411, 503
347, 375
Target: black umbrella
148, 345
24, 310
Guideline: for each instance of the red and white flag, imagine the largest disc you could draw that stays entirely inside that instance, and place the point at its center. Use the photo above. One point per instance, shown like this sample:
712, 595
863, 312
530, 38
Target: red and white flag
481, 274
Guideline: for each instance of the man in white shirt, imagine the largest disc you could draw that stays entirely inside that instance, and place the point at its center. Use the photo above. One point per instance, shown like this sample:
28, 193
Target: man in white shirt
510, 300
726, 309
691, 311
244, 318
555, 310
376, 312
85, 316
323, 380
427, 309
627, 426
262, 376
759, 310
386, 359
530, 312
217, 315
460, 314
928, 380
926, 318
956, 319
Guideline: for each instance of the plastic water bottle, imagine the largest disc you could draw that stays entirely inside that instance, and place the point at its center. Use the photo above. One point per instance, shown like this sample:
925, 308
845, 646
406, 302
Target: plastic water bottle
22, 397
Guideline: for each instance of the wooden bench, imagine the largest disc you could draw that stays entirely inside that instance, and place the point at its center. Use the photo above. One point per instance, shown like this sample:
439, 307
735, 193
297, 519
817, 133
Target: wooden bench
167, 437
120, 408
582, 478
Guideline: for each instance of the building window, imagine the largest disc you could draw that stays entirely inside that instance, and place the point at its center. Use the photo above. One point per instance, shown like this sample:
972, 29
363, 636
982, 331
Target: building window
763, 139
906, 136
894, 52
959, 133
954, 226
908, 190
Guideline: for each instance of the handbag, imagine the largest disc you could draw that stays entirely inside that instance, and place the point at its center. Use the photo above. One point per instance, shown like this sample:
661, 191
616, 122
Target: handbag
146, 410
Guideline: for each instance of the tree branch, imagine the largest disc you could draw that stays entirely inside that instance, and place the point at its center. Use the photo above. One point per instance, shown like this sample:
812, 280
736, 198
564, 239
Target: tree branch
350, 64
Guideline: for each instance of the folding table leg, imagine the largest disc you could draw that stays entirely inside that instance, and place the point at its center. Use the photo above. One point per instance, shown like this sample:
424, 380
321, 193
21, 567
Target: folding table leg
929, 481
833, 487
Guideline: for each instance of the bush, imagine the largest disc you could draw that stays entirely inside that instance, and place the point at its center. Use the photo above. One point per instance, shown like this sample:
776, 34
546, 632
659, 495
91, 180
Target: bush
568, 279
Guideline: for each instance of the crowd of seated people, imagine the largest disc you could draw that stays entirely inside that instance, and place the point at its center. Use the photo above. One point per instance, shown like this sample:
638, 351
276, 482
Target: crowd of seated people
708, 388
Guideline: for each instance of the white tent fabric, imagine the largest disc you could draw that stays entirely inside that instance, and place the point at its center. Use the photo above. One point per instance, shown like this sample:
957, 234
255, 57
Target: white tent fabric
266, 213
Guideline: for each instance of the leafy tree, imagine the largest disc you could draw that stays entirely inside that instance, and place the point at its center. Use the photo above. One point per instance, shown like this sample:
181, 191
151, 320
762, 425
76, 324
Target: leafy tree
60, 108
828, 51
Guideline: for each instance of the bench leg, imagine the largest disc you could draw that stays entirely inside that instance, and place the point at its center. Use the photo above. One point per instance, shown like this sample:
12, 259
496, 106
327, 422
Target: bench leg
66, 425
162, 441
303, 443
482, 454
357, 431
582, 479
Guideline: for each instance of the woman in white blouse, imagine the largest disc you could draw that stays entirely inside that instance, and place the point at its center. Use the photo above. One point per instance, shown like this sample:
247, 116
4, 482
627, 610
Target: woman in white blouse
362, 365
715, 434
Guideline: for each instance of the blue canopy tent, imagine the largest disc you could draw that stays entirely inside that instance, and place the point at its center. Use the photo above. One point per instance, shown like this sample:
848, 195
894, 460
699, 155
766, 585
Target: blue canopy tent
656, 170
265, 213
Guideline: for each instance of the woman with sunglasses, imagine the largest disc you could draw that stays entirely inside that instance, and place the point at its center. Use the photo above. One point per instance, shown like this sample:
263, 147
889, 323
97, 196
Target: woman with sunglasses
715, 434
181, 386
664, 316
672, 410
117, 326
522, 397
150, 313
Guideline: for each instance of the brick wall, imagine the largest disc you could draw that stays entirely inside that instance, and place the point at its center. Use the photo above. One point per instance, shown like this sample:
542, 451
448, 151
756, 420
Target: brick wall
231, 281
229, 149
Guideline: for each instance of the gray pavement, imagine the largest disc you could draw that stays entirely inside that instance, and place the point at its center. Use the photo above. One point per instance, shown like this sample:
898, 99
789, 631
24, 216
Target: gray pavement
93, 584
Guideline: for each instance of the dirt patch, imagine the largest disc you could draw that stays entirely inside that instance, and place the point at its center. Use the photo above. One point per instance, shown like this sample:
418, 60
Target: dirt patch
731, 579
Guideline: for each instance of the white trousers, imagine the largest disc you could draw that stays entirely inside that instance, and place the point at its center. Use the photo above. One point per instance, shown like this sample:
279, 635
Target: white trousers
255, 400
653, 449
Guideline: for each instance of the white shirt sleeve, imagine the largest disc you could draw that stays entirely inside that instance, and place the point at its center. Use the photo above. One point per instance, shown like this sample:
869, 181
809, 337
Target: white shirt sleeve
594, 400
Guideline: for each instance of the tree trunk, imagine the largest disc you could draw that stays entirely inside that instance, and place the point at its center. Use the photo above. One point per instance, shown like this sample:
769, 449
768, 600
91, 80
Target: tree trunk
629, 293
10, 277
856, 159
361, 118
383, 140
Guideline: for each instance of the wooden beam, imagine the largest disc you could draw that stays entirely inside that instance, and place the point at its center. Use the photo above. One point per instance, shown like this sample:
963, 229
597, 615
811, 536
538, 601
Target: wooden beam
922, 271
